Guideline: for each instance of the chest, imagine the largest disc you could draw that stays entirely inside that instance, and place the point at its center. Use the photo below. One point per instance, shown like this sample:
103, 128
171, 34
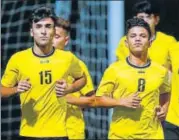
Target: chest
140, 80
43, 71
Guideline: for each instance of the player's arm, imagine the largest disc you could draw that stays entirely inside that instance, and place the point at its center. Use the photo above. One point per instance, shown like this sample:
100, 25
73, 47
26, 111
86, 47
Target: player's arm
132, 101
76, 85
87, 93
106, 89
22, 86
7, 91
76, 72
9, 82
82, 101
164, 99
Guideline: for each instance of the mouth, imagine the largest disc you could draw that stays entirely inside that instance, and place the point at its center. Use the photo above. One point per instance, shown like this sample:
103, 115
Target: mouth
43, 38
137, 44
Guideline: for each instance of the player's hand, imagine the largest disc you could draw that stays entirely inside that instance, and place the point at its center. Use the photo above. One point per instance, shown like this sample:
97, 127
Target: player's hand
60, 88
23, 85
160, 113
132, 101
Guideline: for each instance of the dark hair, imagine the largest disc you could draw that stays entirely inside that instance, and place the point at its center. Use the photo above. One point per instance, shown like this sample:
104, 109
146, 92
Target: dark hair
62, 23
40, 13
149, 7
137, 22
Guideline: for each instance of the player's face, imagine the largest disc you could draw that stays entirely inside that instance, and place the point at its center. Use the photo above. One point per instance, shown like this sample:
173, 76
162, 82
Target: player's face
43, 32
151, 19
138, 40
60, 39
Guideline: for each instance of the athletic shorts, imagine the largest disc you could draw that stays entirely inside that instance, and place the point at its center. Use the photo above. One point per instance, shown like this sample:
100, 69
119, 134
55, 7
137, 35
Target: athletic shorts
171, 131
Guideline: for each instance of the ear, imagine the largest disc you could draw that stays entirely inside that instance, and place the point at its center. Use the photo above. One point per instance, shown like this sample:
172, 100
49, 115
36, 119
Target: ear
67, 38
31, 32
150, 42
157, 20
126, 42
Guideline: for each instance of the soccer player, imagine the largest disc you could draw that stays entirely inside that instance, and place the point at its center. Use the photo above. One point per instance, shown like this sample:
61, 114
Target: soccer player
75, 122
132, 88
160, 49
38, 74
171, 125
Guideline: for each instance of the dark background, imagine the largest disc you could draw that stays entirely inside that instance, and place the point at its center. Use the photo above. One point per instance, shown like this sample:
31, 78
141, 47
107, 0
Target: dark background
169, 15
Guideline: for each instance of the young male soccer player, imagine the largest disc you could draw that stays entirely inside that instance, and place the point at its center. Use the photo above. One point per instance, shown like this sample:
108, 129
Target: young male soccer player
171, 125
160, 49
38, 74
75, 122
132, 87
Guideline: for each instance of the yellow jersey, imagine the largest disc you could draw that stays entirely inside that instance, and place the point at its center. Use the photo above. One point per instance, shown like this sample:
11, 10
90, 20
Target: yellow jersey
43, 114
122, 79
173, 110
159, 51
75, 121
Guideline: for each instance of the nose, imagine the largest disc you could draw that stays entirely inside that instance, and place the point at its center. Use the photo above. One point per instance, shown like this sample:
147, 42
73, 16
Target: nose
137, 38
43, 31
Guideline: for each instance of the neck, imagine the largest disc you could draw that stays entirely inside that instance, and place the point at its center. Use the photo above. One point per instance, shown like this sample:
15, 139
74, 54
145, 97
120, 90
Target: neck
138, 60
42, 50
153, 34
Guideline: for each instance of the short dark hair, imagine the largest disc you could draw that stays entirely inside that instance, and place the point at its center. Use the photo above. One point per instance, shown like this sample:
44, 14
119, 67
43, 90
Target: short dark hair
40, 13
62, 23
137, 22
146, 6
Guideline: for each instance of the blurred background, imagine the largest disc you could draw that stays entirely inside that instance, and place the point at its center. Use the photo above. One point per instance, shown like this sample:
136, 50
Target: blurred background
97, 27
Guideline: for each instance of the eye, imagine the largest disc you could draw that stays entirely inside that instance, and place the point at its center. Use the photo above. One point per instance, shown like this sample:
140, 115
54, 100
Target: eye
49, 26
38, 26
132, 35
143, 35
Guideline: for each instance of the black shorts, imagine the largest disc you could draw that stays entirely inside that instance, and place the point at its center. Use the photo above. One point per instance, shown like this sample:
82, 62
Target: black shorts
171, 131
46, 138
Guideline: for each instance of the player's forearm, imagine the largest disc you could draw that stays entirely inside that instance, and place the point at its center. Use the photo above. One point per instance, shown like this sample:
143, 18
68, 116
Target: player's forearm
81, 101
164, 101
104, 101
6, 92
77, 85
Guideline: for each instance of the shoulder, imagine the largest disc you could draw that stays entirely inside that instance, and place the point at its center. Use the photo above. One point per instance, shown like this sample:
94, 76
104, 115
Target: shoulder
158, 68
81, 63
165, 37
122, 40
116, 66
64, 54
22, 54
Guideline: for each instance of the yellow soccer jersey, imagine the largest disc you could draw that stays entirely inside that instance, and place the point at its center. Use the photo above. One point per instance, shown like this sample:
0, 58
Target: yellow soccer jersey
158, 52
122, 79
173, 110
43, 114
75, 122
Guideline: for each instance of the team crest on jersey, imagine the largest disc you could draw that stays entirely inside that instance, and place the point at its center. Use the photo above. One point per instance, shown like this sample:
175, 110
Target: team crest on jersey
44, 61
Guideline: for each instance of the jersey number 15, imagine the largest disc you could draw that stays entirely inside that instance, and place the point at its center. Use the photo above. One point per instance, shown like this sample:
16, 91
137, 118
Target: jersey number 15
45, 77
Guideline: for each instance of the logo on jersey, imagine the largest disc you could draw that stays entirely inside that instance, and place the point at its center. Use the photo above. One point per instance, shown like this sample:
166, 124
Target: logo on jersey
141, 71
44, 61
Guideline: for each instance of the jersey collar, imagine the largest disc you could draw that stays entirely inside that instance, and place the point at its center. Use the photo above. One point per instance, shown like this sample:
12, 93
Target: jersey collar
51, 53
140, 67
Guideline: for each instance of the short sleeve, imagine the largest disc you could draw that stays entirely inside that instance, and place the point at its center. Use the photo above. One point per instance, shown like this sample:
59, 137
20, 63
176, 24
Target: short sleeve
9, 79
166, 85
122, 51
75, 69
89, 84
107, 84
